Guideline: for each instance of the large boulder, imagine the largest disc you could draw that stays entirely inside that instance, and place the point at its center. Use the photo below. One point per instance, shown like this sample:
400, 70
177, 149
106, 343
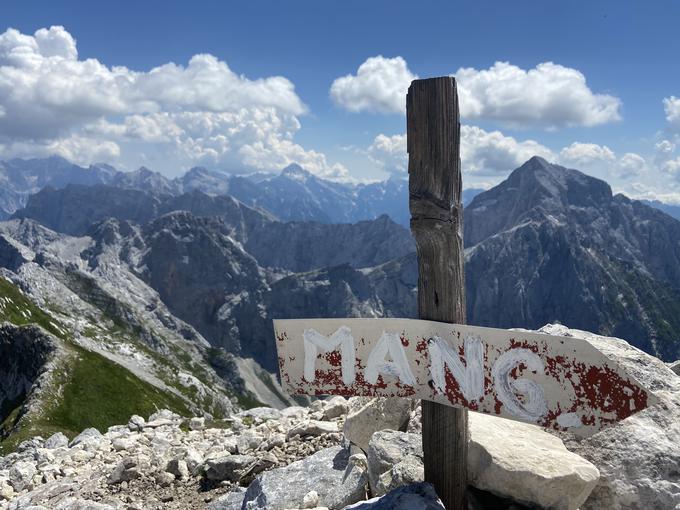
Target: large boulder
394, 459
639, 457
421, 496
337, 481
369, 415
525, 463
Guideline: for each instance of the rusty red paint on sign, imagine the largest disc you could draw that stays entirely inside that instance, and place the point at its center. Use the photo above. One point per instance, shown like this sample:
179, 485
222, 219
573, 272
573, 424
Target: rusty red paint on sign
556, 382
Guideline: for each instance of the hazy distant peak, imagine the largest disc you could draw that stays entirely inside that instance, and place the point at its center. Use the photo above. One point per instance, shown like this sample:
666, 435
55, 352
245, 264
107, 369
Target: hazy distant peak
296, 172
142, 170
197, 171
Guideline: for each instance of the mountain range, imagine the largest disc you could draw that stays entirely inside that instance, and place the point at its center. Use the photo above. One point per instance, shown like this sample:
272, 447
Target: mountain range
291, 195
177, 280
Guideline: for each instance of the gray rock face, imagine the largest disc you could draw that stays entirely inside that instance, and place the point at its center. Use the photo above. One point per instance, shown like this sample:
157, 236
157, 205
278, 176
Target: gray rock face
394, 459
638, 458
328, 472
675, 367
232, 501
421, 496
24, 352
298, 246
552, 244
22, 177
73, 209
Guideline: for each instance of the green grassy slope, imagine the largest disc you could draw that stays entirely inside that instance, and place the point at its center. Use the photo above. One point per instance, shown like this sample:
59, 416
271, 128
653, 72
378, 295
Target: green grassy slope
86, 390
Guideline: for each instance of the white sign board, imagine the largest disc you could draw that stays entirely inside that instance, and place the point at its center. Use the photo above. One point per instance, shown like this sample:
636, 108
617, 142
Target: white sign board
556, 382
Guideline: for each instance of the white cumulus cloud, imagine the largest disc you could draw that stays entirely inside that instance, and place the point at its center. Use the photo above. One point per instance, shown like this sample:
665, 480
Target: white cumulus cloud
172, 116
491, 152
586, 154
379, 85
548, 96
671, 106
672, 166
602, 161
389, 152
483, 153
630, 165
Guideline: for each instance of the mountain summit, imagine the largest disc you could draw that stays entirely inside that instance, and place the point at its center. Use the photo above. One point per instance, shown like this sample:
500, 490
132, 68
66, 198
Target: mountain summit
553, 244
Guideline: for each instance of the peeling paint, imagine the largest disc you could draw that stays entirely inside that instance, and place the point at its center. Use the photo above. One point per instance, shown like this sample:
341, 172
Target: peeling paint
556, 382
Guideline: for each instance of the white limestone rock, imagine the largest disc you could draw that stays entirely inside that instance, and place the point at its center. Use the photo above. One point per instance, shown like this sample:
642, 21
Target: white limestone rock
87, 436
369, 415
525, 463
260, 414
313, 428
21, 476
58, 440
136, 423
335, 407
389, 449
197, 423
311, 500
248, 441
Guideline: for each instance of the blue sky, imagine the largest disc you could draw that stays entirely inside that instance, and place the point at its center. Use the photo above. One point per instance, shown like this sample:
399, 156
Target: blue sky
612, 67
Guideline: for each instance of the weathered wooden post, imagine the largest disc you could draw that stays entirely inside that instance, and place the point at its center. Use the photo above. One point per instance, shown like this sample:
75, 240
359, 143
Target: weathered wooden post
433, 137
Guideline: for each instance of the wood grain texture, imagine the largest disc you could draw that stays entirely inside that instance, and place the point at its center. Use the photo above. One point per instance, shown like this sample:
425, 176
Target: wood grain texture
435, 187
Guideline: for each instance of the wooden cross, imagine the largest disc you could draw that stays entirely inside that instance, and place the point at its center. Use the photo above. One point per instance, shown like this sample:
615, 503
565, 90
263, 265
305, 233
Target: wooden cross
556, 382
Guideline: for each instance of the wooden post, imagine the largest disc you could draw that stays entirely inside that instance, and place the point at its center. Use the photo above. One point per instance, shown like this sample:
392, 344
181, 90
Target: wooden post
433, 131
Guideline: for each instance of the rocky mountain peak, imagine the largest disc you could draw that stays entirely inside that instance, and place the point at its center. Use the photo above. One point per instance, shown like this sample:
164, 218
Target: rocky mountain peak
296, 172
535, 191
110, 230
539, 178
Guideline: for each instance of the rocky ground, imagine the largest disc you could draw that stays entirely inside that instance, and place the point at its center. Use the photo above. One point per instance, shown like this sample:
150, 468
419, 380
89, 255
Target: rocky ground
358, 454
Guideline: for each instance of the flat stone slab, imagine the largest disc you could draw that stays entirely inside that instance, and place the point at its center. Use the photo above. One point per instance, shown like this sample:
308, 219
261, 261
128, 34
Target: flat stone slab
527, 464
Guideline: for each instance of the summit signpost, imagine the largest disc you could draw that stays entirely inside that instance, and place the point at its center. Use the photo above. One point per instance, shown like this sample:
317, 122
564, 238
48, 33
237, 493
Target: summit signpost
556, 382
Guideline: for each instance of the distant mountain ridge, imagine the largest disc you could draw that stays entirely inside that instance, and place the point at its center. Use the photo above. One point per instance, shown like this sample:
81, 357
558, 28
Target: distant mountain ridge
670, 209
290, 195
547, 244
